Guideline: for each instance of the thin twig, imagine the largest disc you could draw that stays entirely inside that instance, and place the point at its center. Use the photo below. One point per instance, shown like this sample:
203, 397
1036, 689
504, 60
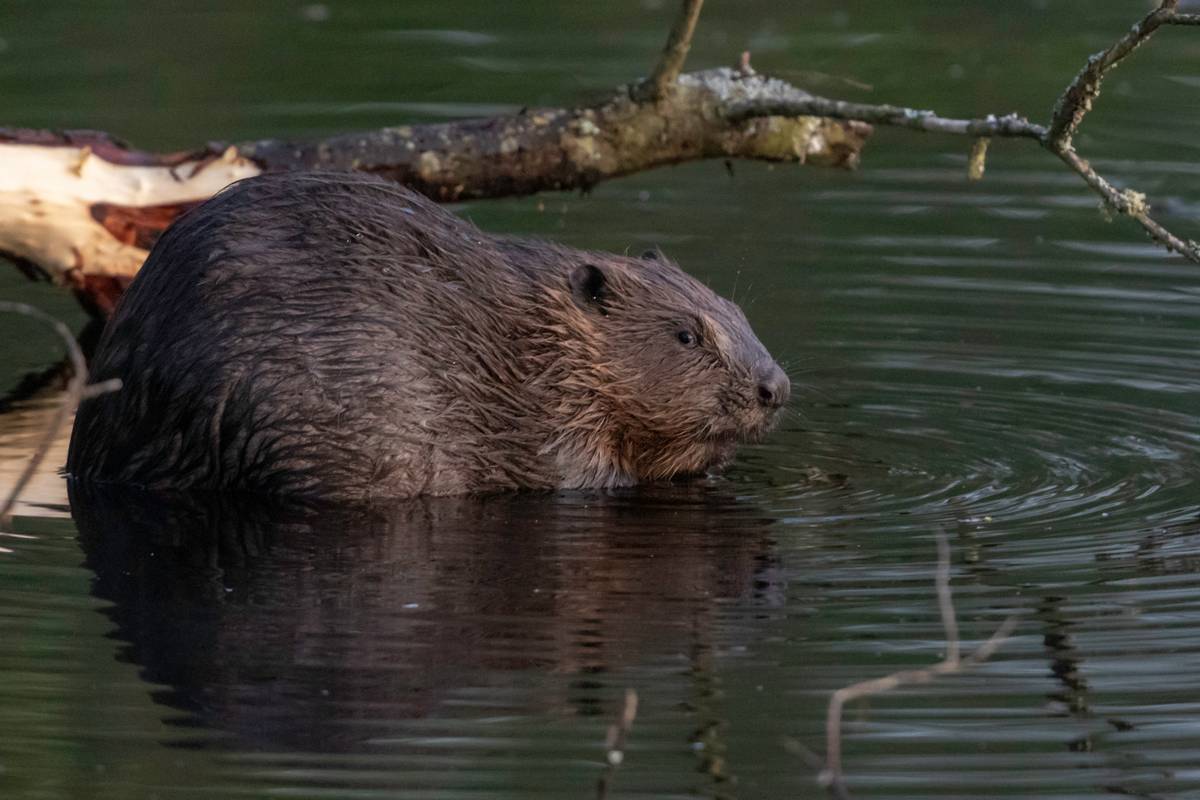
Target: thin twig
1130, 203
803, 104
614, 744
1069, 111
679, 41
1076, 100
832, 776
75, 392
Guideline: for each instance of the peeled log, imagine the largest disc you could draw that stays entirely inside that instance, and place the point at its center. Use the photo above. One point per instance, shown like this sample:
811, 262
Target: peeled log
58, 191
83, 209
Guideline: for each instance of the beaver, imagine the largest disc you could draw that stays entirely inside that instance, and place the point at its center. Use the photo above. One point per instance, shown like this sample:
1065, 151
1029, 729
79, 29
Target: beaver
334, 335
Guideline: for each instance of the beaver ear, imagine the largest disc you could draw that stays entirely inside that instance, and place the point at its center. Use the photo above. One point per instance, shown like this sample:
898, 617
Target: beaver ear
589, 287
652, 255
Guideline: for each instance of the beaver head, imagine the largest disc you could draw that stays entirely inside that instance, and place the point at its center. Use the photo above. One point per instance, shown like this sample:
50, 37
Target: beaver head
657, 376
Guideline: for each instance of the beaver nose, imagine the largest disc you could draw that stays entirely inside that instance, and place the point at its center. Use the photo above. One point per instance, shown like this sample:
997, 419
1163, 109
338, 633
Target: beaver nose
773, 386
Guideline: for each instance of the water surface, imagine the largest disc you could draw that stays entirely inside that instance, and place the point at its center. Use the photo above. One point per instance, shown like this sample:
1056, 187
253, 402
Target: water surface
992, 361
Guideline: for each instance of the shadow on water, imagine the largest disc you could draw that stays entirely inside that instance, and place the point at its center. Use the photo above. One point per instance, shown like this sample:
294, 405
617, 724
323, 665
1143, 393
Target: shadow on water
323, 628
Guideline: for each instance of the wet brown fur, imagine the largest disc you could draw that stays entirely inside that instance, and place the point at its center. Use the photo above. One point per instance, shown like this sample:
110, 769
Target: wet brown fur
336, 335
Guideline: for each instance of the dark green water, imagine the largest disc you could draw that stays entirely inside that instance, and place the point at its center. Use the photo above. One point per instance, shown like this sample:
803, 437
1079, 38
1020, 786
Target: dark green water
992, 360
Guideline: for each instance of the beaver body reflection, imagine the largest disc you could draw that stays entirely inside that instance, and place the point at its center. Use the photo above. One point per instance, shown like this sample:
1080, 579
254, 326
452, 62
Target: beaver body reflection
281, 627
337, 335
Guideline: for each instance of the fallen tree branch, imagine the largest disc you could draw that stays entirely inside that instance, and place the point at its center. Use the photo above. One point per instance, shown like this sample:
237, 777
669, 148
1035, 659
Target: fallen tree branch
560, 149
1057, 137
82, 209
76, 391
831, 776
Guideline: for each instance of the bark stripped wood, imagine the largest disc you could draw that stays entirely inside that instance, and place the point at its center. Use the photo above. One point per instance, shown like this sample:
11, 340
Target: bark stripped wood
63, 198
1057, 137
82, 209
137, 225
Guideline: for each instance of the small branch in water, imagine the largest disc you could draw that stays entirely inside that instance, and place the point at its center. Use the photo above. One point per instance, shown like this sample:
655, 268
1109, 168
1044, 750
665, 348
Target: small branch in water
614, 744
679, 41
831, 776
76, 391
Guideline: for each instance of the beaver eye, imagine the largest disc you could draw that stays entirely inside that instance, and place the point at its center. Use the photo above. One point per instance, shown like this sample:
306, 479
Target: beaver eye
687, 338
